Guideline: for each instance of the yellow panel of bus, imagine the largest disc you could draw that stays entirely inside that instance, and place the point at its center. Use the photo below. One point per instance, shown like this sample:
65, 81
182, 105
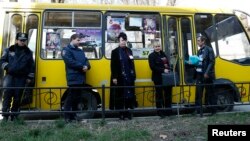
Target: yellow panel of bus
50, 26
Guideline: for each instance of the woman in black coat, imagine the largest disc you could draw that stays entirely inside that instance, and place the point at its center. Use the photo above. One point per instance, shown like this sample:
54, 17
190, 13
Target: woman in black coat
159, 64
122, 74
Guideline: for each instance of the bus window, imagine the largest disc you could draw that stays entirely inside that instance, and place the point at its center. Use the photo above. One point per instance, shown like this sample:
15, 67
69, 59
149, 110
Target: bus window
232, 40
60, 25
31, 29
204, 26
58, 19
173, 42
84, 19
32, 22
15, 27
244, 19
141, 30
187, 48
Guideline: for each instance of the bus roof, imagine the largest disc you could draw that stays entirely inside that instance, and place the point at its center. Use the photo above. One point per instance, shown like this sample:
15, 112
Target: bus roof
167, 9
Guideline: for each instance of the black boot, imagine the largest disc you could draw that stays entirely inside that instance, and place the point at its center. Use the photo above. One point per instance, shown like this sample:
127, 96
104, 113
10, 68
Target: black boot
5, 118
14, 118
161, 113
122, 115
128, 115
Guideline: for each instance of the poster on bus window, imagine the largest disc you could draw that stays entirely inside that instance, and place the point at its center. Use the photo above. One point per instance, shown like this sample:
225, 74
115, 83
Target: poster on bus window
90, 37
53, 41
114, 27
149, 25
115, 23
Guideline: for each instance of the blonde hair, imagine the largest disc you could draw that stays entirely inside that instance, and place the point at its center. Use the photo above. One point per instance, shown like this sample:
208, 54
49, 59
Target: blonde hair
156, 43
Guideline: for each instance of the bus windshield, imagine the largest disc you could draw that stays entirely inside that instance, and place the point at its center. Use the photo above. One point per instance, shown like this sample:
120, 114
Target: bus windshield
233, 44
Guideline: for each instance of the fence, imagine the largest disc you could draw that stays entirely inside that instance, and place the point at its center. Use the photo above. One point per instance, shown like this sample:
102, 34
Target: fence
50, 98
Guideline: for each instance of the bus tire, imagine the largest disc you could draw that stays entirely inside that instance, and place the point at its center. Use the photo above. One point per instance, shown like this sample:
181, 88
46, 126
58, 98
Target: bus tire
1, 98
225, 100
86, 106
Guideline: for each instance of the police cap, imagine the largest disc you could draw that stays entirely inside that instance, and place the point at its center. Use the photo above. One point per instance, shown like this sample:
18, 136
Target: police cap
21, 36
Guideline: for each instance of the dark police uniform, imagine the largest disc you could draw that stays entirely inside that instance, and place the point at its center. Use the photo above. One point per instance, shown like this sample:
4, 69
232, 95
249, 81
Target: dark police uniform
75, 60
18, 63
205, 66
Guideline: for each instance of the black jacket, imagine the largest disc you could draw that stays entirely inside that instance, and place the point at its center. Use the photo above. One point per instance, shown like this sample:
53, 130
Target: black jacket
157, 65
208, 61
18, 61
75, 59
116, 66
117, 96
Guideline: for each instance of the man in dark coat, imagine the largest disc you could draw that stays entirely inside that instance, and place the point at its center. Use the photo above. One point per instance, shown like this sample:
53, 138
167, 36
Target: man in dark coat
76, 65
205, 75
122, 74
17, 61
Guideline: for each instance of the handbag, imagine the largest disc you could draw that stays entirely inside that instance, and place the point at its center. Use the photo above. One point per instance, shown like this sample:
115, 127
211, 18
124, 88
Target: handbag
170, 79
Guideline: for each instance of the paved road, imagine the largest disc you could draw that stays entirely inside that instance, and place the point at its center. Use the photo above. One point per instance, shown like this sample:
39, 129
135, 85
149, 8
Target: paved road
243, 108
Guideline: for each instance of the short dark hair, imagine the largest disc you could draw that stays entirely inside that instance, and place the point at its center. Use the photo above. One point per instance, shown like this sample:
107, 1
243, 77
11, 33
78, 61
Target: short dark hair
202, 38
123, 36
74, 36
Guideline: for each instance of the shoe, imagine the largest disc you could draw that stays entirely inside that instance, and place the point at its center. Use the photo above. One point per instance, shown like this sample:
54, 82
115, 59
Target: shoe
213, 112
67, 120
129, 116
121, 116
168, 113
5, 119
14, 118
161, 114
76, 118
195, 112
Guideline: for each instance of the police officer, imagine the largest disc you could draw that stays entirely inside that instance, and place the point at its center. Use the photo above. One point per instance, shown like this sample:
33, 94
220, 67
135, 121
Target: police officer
76, 65
205, 74
17, 61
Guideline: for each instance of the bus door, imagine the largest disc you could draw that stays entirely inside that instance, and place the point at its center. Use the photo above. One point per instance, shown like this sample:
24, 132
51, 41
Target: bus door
15, 22
178, 47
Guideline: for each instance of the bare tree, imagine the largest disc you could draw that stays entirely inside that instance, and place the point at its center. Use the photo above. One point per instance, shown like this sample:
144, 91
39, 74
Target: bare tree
125, 2
136, 2
57, 1
171, 2
107, 1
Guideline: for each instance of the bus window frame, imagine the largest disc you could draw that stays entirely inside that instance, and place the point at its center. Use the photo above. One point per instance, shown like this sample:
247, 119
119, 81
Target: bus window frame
100, 13
240, 26
138, 14
215, 47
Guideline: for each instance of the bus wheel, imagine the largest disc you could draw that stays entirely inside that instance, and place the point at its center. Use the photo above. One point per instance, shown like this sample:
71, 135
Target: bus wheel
87, 104
225, 99
1, 102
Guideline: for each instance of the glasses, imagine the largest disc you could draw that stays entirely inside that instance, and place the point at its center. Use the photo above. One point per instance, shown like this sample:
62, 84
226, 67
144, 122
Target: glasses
23, 40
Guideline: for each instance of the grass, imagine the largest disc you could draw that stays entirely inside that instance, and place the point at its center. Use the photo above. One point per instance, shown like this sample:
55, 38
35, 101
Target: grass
173, 128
